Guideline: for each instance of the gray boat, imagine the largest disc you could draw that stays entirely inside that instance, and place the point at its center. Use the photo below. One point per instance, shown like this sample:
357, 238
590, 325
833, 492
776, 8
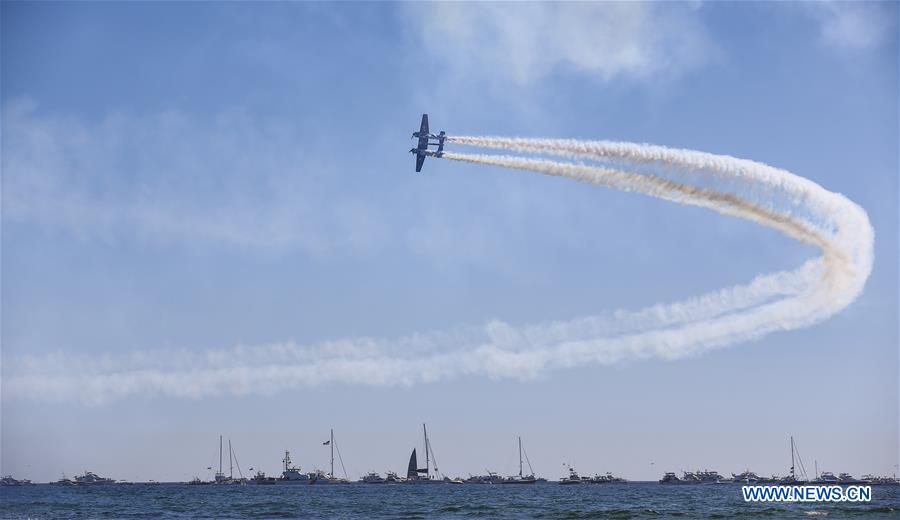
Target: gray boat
521, 478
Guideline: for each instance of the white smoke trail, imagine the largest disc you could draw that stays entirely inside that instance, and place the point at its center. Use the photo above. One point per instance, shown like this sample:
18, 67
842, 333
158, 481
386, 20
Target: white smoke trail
746, 189
818, 217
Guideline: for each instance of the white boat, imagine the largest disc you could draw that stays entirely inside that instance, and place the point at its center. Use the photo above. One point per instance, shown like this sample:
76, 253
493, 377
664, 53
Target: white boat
670, 478
10, 481
392, 478
572, 478
90, 478
490, 478
826, 477
609, 478
291, 474
747, 477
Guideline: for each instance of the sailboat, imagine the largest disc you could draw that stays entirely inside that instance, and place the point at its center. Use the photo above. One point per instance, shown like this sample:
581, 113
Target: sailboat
232, 460
417, 475
319, 477
521, 478
792, 479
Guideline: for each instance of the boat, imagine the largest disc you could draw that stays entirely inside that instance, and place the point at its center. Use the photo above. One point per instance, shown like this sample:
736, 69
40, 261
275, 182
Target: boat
92, 479
197, 482
847, 479
417, 475
373, 478
291, 474
392, 478
708, 477
609, 478
521, 478
572, 478
8, 480
220, 477
490, 478
260, 479
747, 477
690, 477
794, 478
670, 478
64, 481
320, 477
826, 478
871, 480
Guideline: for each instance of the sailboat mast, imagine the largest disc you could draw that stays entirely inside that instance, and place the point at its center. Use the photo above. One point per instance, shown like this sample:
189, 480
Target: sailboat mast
520, 457
230, 461
332, 453
792, 456
220, 454
427, 460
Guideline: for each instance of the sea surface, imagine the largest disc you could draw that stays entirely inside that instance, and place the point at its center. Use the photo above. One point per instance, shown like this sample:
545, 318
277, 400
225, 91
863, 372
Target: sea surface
548, 500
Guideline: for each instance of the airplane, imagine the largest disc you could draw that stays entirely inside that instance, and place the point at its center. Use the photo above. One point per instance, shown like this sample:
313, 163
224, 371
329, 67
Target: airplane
425, 138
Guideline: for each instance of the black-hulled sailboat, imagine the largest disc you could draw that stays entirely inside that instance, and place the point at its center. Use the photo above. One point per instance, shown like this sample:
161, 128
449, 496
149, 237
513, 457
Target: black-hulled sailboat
417, 475
792, 479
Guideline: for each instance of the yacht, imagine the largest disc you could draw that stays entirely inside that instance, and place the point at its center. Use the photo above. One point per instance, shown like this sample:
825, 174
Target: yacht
871, 480
707, 477
490, 478
671, 478
90, 478
609, 478
320, 477
392, 478
291, 474
573, 478
64, 481
747, 477
373, 478
848, 480
826, 477
10, 481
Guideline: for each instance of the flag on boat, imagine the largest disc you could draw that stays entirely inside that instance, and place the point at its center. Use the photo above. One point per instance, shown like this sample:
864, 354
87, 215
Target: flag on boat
326, 443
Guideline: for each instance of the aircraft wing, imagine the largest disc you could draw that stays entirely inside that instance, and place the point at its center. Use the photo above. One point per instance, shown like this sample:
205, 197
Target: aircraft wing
423, 129
420, 160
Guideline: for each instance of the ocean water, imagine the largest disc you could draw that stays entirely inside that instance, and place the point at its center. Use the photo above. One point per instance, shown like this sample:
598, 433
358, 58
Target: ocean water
549, 500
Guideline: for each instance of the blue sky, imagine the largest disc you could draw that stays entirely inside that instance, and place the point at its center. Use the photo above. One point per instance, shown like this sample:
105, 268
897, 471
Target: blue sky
197, 177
